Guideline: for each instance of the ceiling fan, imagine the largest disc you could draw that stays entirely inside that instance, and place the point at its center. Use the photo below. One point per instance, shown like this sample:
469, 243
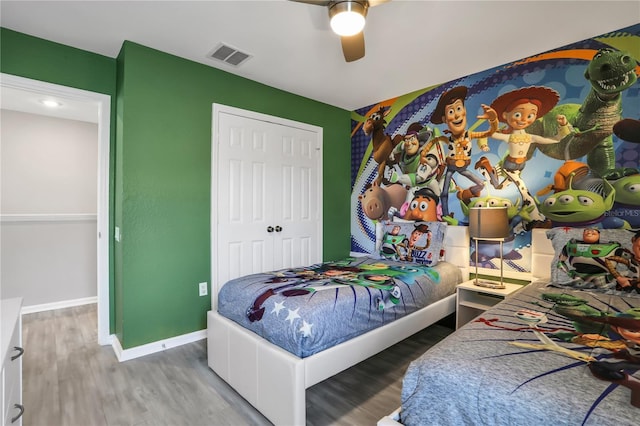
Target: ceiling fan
347, 19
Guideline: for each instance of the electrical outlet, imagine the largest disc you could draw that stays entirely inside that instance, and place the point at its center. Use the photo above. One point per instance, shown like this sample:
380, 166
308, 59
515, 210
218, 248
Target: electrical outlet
203, 289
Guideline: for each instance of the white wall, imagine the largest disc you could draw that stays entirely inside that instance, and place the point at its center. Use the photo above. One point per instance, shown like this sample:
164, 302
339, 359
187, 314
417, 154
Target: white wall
48, 206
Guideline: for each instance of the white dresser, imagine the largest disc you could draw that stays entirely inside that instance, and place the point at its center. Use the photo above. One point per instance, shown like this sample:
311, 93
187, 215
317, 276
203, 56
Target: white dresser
11, 391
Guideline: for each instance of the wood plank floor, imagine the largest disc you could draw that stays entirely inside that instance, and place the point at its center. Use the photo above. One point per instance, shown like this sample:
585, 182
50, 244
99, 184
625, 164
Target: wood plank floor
68, 379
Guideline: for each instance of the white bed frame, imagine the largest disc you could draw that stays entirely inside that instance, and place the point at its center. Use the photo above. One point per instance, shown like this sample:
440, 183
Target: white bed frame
541, 257
274, 381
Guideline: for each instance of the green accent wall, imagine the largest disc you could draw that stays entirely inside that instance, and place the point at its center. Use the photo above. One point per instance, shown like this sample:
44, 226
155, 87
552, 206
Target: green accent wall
161, 172
38, 59
44, 60
165, 107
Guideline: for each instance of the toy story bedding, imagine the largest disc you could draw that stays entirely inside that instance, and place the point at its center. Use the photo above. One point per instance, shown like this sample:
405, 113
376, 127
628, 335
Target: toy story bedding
309, 309
597, 260
546, 355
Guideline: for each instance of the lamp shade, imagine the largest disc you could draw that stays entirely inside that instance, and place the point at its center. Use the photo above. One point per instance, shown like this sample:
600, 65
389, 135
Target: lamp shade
488, 222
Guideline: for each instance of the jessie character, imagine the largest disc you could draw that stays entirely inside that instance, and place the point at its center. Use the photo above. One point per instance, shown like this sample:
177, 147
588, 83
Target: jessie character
518, 109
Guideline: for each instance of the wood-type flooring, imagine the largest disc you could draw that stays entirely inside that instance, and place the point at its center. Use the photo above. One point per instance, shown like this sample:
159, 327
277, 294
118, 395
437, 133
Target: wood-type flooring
70, 380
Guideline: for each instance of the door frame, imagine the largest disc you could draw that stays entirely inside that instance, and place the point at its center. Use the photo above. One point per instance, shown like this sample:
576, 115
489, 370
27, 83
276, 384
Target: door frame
103, 102
216, 111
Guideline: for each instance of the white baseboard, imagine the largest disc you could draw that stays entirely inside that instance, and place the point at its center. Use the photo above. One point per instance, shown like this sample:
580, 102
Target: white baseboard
153, 347
58, 305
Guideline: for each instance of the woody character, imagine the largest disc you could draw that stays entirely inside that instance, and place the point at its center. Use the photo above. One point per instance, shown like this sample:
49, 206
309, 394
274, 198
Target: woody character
451, 111
411, 244
630, 280
625, 362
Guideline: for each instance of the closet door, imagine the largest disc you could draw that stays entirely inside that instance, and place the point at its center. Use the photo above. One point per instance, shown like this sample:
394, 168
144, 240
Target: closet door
296, 190
268, 196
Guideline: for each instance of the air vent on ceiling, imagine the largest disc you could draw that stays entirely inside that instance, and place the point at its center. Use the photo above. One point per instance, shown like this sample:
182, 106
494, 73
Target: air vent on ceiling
229, 55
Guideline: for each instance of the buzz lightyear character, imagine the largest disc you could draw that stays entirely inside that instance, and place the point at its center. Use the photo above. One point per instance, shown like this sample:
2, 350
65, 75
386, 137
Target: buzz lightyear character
425, 174
379, 281
584, 260
391, 242
382, 277
414, 165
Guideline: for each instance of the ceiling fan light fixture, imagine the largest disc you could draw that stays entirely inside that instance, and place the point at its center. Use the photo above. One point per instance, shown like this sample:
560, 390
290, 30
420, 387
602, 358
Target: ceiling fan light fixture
347, 17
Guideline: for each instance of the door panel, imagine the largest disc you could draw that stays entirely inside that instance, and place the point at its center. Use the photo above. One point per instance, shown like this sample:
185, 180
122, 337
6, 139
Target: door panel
242, 208
300, 201
268, 196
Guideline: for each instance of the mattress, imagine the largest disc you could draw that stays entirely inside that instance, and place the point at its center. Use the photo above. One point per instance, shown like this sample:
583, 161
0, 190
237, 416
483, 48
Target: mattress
546, 355
307, 310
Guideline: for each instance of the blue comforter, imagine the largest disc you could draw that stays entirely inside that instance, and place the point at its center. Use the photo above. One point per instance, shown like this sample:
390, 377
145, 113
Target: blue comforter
306, 310
543, 356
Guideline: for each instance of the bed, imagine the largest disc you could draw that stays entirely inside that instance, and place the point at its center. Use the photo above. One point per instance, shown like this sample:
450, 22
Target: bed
559, 351
274, 380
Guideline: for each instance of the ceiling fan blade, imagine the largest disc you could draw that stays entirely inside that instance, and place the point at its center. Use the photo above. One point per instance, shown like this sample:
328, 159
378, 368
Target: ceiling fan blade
315, 2
373, 3
353, 46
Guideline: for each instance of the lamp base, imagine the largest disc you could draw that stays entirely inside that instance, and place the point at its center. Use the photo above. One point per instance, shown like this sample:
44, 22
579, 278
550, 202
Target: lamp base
489, 284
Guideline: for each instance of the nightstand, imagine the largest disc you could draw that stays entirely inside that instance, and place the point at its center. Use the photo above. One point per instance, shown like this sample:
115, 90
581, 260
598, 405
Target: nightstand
472, 300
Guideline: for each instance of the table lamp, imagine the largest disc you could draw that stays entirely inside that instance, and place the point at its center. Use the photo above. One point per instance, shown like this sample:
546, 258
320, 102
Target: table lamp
489, 224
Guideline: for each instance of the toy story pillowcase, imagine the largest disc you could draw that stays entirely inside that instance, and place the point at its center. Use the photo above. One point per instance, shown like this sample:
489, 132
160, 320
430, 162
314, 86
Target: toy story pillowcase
600, 260
416, 242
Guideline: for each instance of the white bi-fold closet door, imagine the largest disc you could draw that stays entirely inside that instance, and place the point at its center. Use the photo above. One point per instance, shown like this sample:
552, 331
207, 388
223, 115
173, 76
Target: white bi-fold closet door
266, 194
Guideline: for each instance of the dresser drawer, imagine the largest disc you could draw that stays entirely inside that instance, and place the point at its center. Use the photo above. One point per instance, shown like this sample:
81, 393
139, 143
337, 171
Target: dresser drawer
12, 363
12, 387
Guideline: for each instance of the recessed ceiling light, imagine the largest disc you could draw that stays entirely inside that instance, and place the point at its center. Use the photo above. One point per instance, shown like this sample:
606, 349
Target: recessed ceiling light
50, 103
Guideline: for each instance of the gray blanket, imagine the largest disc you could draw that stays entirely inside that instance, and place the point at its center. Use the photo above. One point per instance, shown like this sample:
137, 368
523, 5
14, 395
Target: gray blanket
583, 375
306, 310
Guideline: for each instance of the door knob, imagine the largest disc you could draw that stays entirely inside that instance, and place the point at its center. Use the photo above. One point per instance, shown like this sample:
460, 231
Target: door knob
269, 228
278, 229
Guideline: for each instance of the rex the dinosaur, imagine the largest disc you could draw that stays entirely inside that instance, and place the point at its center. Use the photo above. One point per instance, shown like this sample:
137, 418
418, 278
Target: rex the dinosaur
609, 72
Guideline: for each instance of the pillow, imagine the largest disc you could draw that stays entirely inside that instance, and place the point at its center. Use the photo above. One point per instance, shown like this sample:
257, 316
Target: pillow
584, 261
416, 242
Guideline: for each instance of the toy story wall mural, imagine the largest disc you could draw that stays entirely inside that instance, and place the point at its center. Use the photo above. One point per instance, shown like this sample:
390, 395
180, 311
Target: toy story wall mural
554, 137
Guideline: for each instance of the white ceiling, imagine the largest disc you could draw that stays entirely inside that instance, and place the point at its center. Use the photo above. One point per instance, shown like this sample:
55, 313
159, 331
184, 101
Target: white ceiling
410, 45
31, 102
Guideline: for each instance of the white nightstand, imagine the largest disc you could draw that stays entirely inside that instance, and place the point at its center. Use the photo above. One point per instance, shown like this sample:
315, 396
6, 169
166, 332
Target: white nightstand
472, 300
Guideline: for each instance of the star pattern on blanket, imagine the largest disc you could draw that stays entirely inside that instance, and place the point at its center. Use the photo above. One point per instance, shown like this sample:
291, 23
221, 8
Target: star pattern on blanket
305, 329
277, 307
293, 315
